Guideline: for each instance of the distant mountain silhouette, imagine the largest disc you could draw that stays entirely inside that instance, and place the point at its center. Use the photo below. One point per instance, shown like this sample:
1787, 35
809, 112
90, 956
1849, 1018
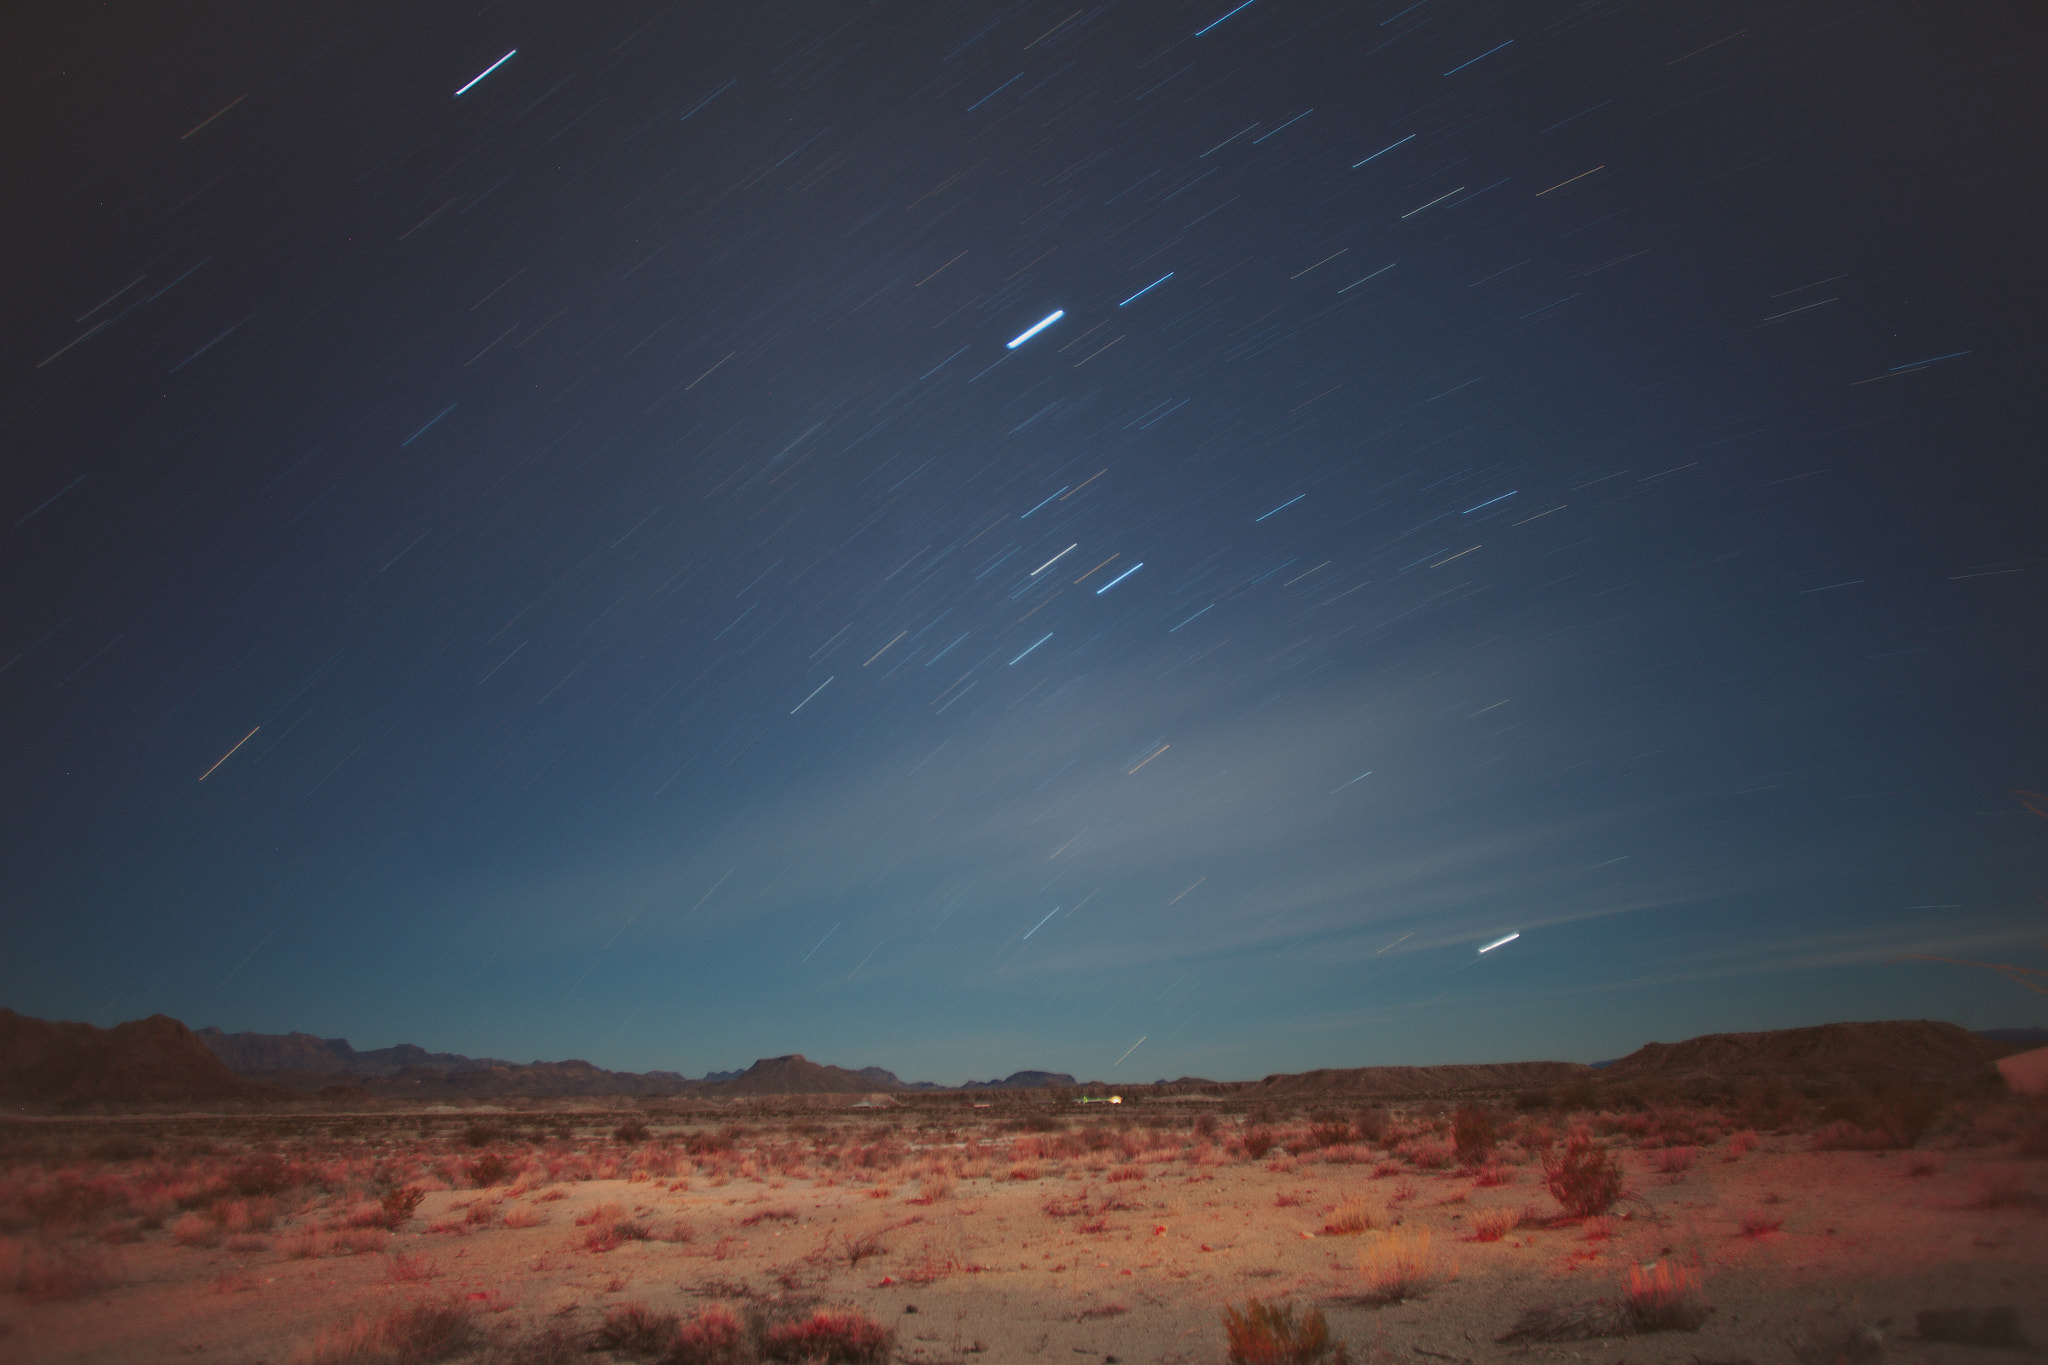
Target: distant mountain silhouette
1024, 1080
797, 1075
144, 1061
304, 1052
1418, 1080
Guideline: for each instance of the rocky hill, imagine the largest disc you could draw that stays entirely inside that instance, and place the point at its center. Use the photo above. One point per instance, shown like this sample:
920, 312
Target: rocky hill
1828, 1057
145, 1061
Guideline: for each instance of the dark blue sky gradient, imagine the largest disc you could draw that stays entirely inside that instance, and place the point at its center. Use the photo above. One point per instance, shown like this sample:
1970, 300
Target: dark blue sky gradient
607, 497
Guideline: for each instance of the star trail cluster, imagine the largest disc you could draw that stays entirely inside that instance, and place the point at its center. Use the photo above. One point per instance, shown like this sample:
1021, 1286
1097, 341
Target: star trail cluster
1118, 538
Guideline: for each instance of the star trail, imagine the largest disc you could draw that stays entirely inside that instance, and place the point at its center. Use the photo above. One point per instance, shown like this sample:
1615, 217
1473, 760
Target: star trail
674, 535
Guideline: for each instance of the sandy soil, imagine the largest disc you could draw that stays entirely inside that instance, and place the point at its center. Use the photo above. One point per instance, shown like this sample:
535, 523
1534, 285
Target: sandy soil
1077, 1265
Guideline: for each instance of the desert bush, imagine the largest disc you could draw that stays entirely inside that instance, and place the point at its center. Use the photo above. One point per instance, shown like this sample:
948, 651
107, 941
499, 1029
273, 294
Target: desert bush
1400, 1265
524, 1216
1351, 1218
634, 1329
1494, 1173
1742, 1143
1674, 1160
1206, 1126
486, 1171
613, 1233
1257, 1142
1126, 1173
1664, 1298
1430, 1154
842, 1336
1473, 1134
1024, 1171
714, 1336
1494, 1224
633, 1131
389, 1212
359, 1242
410, 1336
480, 1134
932, 1187
1584, 1177
1270, 1334
862, 1247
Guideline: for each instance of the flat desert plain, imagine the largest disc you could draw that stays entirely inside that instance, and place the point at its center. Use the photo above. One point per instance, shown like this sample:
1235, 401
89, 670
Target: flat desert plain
1048, 1237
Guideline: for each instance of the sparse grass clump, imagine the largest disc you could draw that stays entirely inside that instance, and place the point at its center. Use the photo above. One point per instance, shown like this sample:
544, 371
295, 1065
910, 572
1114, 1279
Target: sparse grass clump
1665, 1298
1494, 1224
1350, 1219
1270, 1334
1400, 1264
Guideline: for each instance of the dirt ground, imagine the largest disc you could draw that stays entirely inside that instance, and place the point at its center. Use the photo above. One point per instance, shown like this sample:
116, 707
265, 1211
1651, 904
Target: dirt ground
999, 1246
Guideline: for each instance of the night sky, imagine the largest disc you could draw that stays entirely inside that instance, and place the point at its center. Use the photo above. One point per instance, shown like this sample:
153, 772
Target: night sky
582, 560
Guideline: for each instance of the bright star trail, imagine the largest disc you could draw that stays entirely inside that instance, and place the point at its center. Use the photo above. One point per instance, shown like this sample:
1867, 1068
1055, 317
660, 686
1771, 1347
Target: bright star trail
629, 562
1035, 328
487, 71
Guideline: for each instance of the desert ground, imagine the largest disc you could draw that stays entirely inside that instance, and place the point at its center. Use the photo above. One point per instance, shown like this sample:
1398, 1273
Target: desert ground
1027, 1231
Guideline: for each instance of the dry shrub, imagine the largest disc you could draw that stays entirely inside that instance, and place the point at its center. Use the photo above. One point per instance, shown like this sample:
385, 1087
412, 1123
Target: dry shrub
486, 1171
631, 1131
1473, 1134
1350, 1219
1584, 1178
524, 1216
1270, 1334
611, 1235
305, 1244
1430, 1154
1027, 1170
411, 1336
932, 1187
842, 1336
1494, 1173
1743, 1142
552, 1345
195, 1231
860, 1248
1127, 1173
1257, 1142
634, 1329
359, 1242
714, 1336
1400, 1264
1665, 1298
481, 1212
1494, 1224
49, 1272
